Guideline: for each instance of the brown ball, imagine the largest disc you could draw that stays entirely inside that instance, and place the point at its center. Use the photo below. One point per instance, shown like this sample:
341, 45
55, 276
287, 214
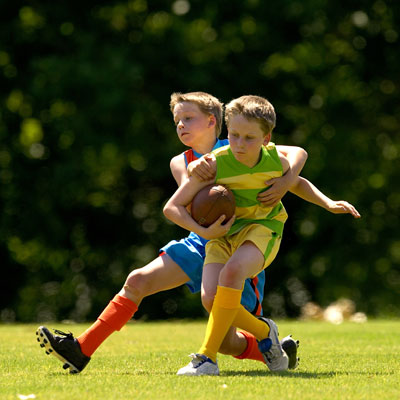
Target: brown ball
211, 202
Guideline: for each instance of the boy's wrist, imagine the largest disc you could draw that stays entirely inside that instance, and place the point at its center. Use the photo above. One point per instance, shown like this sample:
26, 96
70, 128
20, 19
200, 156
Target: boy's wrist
202, 232
329, 205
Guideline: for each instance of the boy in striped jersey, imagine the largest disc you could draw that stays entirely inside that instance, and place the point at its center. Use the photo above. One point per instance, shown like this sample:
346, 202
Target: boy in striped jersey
249, 242
198, 119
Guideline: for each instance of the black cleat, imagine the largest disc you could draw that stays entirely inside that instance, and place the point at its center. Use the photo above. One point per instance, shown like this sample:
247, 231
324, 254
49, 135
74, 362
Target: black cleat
63, 346
290, 346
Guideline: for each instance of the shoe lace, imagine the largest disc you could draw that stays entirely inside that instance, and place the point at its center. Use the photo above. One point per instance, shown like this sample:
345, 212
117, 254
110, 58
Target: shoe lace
197, 359
61, 333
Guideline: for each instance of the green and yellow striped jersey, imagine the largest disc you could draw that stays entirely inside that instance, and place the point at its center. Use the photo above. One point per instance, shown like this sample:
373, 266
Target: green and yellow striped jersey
246, 183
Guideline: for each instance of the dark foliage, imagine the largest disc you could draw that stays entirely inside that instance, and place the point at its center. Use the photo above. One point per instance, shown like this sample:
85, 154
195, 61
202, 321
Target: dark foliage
86, 137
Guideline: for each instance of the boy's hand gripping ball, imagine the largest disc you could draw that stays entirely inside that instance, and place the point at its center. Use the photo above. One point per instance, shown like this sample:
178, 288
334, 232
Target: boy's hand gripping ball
210, 203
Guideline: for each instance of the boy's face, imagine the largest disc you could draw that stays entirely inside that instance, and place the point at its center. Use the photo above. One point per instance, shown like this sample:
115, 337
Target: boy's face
191, 123
246, 138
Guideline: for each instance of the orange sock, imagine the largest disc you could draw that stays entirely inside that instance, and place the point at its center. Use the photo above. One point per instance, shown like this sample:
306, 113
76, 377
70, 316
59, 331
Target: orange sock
117, 313
251, 352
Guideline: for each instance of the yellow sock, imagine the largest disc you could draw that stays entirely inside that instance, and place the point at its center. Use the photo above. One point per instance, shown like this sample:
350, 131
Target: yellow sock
248, 322
225, 306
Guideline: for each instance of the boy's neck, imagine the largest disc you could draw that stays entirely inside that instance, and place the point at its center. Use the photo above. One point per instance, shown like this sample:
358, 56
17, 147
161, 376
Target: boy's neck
250, 164
205, 147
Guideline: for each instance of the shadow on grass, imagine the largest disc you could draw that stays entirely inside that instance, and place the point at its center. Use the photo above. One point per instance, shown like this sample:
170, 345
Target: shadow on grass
292, 375
302, 374
253, 373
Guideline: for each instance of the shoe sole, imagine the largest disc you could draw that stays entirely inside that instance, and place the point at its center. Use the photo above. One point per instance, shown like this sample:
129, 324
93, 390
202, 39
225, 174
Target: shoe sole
45, 343
290, 346
198, 374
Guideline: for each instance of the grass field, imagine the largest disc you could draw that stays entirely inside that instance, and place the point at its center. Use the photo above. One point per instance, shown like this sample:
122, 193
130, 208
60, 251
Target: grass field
348, 361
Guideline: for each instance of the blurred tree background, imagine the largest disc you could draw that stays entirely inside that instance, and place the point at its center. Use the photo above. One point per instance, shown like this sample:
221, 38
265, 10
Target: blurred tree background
86, 136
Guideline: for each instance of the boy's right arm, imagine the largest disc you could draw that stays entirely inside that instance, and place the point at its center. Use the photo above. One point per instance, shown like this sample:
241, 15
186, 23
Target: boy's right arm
307, 191
176, 211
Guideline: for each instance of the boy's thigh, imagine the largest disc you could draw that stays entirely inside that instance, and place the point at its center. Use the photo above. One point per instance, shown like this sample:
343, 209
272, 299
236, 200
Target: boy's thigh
264, 239
247, 261
189, 258
161, 274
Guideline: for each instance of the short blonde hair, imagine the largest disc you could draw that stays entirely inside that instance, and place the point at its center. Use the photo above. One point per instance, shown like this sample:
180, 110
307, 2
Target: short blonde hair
207, 103
253, 107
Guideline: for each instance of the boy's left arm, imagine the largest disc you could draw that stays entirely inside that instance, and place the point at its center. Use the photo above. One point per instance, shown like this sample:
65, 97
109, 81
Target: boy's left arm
307, 191
296, 157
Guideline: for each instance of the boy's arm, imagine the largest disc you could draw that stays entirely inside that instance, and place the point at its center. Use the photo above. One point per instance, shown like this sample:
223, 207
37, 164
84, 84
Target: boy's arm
176, 211
307, 191
178, 168
202, 168
296, 157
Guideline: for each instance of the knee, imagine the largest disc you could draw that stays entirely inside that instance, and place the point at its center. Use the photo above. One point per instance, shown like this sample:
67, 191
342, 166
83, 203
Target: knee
137, 283
231, 274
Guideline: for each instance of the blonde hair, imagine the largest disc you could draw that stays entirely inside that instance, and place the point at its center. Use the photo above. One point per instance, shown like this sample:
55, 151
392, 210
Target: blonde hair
207, 103
253, 107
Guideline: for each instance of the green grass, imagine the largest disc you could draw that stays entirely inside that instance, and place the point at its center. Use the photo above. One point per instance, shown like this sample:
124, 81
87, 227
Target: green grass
348, 361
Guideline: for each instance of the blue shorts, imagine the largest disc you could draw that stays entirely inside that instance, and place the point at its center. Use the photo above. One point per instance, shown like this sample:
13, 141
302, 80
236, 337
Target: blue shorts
189, 254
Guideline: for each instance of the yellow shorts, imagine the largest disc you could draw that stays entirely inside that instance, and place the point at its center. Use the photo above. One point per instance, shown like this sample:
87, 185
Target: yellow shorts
267, 241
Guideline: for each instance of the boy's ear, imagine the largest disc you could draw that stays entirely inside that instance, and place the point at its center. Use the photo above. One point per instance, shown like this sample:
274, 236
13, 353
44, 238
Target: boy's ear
212, 121
267, 139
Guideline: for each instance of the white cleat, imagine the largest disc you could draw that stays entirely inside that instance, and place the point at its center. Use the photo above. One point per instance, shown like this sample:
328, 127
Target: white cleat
271, 349
200, 365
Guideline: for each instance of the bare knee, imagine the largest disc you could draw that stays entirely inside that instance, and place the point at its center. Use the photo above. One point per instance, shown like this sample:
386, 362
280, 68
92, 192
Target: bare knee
231, 274
137, 286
